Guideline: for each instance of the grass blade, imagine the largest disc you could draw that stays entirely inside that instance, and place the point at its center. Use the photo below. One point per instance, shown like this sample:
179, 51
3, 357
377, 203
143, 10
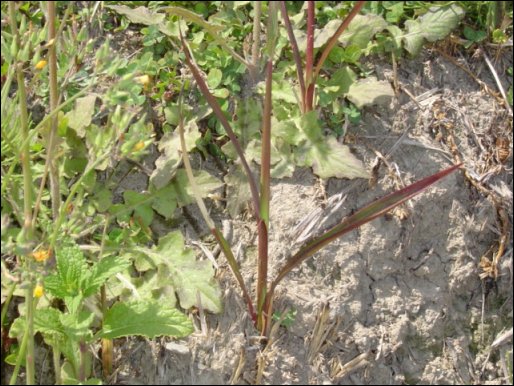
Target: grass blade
364, 215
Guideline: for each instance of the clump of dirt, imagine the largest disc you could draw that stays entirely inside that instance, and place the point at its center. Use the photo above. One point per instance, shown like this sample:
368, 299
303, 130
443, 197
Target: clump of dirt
398, 301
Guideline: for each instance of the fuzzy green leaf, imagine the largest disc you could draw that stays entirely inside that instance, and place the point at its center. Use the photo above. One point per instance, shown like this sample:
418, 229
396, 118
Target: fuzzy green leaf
103, 270
139, 15
214, 78
206, 184
326, 156
167, 164
436, 24
140, 204
72, 271
80, 117
146, 318
370, 91
188, 275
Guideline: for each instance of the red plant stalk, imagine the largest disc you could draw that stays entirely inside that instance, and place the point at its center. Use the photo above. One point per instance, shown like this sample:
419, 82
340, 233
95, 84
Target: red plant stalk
263, 225
309, 58
335, 38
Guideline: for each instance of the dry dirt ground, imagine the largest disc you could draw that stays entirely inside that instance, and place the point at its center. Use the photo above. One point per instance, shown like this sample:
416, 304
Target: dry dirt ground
399, 301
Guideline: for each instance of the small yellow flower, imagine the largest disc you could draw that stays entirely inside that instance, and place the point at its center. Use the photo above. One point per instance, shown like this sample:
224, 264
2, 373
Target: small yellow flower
144, 80
38, 291
41, 255
41, 64
138, 146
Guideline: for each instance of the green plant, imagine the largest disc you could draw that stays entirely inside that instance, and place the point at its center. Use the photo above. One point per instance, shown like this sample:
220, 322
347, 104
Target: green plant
262, 310
88, 269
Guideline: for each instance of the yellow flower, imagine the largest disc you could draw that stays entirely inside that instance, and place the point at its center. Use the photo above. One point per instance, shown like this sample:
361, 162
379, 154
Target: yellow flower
144, 80
41, 64
138, 146
38, 291
41, 255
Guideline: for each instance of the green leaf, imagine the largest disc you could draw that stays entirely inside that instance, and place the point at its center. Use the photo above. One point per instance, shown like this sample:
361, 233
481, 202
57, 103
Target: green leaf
362, 29
103, 199
193, 280
103, 270
370, 91
139, 15
206, 184
333, 159
436, 24
80, 117
166, 165
146, 318
140, 204
190, 277
342, 79
326, 156
165, 201
214, 78
72, 271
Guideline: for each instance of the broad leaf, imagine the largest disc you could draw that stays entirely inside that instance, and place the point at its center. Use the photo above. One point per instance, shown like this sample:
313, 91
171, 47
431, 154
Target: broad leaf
436, 24
370, 91
146, 318
190, 277
103, 270
326, 156
72, 271
167, 164
362, 29
80, 117
139, 15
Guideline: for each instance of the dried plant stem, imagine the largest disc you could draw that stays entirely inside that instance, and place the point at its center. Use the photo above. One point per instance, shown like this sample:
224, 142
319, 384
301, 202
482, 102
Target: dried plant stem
28, 224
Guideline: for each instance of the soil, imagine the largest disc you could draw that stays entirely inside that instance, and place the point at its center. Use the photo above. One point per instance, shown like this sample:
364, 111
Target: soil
399, 301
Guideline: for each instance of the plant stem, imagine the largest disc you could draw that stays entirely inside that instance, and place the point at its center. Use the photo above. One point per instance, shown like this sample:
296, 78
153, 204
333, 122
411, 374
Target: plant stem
28, 225
256, 36
263, 225
334, 39
225, 247
57, 364
296, 53
309, 58
221, 116
54, 101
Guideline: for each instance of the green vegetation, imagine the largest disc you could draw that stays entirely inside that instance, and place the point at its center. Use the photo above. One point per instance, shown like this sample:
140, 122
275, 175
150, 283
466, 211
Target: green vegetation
78, 246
